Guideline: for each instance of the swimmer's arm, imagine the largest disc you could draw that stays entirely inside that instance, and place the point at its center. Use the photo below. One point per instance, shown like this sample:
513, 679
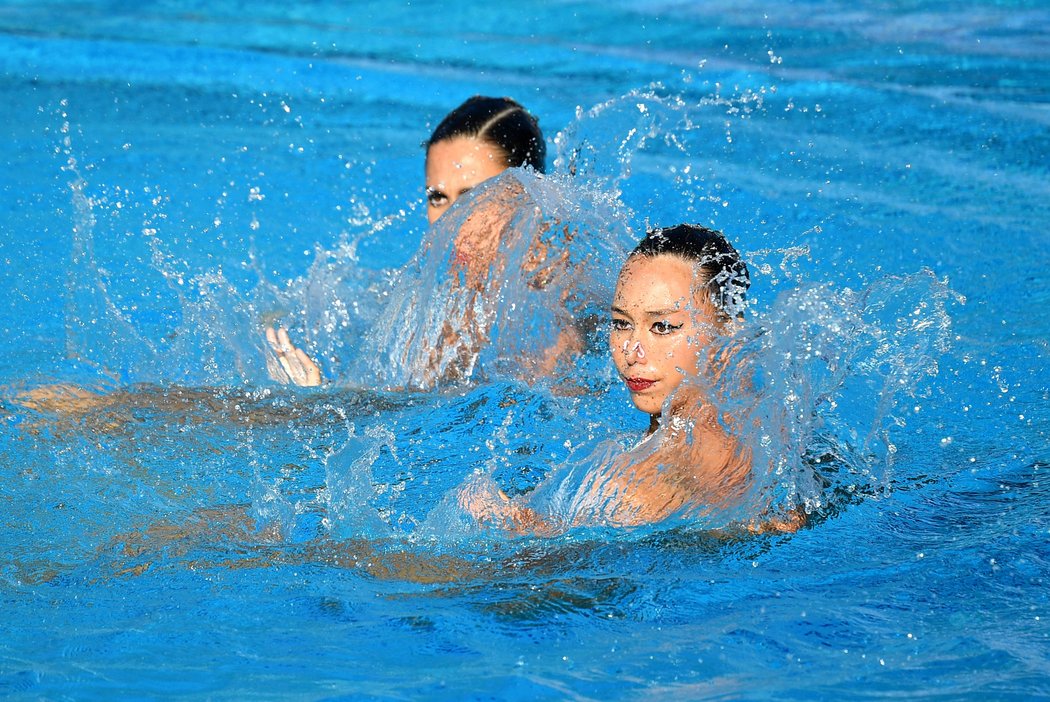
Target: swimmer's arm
566, 346
290, 364
491, 507
694, 465
62, 398
524, 521
787, 523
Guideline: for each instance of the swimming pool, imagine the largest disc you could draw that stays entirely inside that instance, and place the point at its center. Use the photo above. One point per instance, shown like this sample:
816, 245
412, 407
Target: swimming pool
172, 173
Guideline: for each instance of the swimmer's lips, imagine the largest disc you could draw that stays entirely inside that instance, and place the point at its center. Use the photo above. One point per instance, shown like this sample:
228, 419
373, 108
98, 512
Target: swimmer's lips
639, 384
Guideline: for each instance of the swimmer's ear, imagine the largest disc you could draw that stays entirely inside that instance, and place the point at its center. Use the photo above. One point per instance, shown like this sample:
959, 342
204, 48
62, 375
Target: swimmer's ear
731, 325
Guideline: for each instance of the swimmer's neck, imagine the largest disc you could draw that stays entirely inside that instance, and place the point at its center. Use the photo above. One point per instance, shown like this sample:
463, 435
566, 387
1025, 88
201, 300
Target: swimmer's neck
654, 424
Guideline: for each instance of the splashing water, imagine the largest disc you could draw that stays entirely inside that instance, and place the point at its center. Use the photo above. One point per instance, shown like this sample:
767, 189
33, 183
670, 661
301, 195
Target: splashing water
199, 184
829, 367
509, 283
513, 283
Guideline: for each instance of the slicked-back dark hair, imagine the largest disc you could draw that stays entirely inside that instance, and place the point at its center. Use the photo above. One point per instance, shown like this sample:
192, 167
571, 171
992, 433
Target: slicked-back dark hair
500, 122
727, 277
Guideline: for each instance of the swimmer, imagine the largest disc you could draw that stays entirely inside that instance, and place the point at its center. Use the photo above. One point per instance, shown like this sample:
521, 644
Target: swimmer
676, 302
479, 139
511, 283
475, 142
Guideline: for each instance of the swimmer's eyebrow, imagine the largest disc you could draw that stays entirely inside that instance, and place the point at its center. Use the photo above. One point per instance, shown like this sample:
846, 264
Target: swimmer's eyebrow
648, 313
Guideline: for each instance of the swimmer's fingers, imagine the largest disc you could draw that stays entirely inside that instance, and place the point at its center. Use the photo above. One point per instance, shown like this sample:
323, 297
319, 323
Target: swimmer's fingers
287, 367
289, 359
293, 365
311, 371
275, 364
284, 342
271, 337
276, 372
300, 367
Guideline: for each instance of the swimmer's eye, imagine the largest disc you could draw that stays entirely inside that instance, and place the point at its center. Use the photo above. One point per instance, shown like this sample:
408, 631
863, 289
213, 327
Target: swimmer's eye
436, 198
619, 324
665, 327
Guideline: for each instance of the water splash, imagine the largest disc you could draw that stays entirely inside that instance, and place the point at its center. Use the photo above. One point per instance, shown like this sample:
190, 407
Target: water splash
513, 282
600, 145
351, 489
508, 282
831, 370
95, 326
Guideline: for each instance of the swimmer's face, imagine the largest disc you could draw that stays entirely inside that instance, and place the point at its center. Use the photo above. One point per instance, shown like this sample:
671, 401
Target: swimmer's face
659, 327
456, 165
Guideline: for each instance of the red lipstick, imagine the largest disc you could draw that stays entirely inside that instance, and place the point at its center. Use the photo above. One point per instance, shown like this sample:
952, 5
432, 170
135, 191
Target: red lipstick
638, 384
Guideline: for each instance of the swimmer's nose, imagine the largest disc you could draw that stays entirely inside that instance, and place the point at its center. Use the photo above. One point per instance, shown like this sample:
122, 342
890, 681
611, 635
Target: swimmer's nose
633, 351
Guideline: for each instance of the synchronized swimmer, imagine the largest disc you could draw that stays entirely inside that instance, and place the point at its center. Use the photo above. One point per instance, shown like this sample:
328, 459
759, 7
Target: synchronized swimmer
677, 299
679, 292
477, 141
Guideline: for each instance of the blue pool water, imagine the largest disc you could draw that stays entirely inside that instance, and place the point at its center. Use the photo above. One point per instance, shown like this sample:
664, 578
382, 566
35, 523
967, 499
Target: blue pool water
174, 175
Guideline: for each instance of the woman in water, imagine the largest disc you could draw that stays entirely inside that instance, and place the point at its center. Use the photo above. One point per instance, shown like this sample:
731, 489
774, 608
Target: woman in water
676, 302
475, 142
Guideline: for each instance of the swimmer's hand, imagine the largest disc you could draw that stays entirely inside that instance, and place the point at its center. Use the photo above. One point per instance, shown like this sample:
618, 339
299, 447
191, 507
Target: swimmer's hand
786, 523
291, 364
490, 507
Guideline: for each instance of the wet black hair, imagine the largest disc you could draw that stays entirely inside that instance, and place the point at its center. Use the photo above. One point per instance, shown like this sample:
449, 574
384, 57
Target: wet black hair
727, 277
500, 122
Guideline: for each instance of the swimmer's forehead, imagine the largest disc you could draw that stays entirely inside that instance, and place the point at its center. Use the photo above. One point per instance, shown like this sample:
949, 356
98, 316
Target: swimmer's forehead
462, 157
654, 286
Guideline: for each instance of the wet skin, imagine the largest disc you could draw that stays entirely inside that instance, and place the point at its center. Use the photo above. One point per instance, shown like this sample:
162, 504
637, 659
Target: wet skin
455, 166
658, 328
